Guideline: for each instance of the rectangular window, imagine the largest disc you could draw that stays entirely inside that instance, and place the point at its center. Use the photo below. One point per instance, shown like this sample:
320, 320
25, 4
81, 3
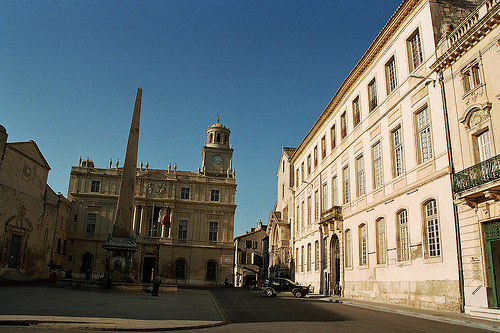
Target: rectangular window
308, 164
471, 77
323, 147
363, 248
309, 210
333, 136
335, 191
297, 260
484, 146
303, 212
390, 72
214, 195
316, 256
356, 112
212, 233
381, 242
432, 224
297, 219
343, 126
345, 180
94, 188
372, 94
185, 192
324, 199
183, 228
302, 171
424, 135
377, 165
248, 244
397, 144
59, 245
91, 219
297, 176
404, 236
415, 51
360, 170
316, 205
315, 156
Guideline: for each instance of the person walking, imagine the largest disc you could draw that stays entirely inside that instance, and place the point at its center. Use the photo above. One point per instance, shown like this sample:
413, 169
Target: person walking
156, 285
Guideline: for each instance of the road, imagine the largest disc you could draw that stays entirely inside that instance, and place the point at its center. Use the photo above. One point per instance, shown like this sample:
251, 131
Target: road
251, 311
244, 310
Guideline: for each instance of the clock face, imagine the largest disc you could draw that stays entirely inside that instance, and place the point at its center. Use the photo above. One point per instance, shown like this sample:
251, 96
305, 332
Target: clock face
217, 159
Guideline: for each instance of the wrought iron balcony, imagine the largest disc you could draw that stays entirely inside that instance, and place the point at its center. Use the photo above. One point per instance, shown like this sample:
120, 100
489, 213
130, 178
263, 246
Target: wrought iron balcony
477, 175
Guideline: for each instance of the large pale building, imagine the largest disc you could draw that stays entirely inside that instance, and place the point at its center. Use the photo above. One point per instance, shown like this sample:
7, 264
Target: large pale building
34, 219
374, 213
183, 221
468, 68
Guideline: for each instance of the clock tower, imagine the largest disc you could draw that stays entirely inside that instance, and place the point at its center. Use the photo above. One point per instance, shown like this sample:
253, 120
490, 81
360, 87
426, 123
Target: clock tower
217, 154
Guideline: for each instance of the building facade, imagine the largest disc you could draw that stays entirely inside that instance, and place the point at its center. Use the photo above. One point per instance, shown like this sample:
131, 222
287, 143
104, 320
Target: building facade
183, 221
280, 220
34, 219
248, 258
374, 215
468, 67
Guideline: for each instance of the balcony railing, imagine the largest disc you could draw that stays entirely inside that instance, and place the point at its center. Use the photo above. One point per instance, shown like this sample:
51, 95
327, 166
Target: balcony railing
477, 175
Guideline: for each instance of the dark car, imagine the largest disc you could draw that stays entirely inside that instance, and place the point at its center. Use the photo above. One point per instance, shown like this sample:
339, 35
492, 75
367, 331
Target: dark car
273, 286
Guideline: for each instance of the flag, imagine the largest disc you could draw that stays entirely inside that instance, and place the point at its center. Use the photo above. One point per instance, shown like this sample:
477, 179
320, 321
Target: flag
164, 216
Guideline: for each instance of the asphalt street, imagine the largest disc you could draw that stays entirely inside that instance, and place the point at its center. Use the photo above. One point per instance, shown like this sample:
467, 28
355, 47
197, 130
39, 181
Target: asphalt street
213, 310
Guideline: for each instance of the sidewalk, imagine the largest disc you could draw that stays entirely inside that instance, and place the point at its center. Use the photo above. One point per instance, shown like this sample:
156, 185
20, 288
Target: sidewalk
437, 315
48, 306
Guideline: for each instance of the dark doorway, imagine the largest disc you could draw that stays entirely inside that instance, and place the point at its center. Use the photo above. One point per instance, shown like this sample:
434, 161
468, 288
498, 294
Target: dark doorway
250, 281
15, 244
335, 265
148, 269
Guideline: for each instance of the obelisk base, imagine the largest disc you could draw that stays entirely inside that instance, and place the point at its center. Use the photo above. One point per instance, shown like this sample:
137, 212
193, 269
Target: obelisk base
119, 259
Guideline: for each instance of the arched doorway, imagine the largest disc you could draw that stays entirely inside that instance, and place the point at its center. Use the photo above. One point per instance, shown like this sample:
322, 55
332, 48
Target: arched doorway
335, 265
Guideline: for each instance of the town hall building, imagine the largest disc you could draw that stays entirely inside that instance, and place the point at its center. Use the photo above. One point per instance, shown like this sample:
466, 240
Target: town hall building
183, 221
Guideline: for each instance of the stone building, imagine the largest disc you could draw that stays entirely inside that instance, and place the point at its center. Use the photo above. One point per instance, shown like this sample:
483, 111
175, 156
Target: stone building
374, 215
183, 221
280, 220
468, 68
248, 258
33, 218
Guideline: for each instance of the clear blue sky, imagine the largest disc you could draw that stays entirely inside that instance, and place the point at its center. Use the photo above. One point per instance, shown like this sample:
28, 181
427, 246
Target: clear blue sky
69, 71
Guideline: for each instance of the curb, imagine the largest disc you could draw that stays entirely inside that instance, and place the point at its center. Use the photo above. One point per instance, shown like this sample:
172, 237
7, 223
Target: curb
463, 322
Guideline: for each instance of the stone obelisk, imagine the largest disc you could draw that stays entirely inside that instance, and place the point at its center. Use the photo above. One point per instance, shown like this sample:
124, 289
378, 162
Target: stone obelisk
125, 207
121, 244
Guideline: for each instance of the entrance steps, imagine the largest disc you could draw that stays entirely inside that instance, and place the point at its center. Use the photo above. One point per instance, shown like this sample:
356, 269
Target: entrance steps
487, 313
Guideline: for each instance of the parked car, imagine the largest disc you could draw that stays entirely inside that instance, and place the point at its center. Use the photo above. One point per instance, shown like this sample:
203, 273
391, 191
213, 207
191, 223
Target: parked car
272, 286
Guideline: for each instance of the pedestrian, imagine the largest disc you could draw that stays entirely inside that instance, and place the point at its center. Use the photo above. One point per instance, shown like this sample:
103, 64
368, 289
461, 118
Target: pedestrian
226, 283
108, 282
69, 274
156, 285
87, 275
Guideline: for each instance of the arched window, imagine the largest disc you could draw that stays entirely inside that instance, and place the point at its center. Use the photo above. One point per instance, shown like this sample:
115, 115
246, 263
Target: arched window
363, 247
403, 236
309, 257
348, 248
432, 233
87, 260
217, 138
180, 268
381, 242
212, 270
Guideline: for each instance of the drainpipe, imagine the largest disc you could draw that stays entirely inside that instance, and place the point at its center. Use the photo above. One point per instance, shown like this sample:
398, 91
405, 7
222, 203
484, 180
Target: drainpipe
455, 209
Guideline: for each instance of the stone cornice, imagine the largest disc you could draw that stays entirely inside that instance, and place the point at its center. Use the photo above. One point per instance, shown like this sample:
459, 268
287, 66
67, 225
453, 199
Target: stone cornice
468, 33
366, 60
